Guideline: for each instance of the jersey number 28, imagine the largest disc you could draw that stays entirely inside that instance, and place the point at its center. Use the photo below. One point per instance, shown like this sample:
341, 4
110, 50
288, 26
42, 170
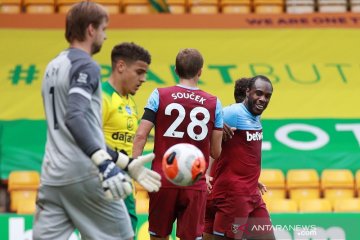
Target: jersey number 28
171, 131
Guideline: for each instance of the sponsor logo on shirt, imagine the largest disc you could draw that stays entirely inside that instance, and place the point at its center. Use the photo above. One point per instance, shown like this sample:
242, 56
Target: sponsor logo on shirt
254, 136
123, 137
82, 78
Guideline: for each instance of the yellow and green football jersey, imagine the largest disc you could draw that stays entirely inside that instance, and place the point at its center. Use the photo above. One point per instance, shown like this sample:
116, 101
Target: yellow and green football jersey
120, 119
120, 122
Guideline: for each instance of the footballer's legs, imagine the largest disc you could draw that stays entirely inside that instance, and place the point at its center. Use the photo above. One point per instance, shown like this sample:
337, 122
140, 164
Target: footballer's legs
231, 217
260, 217
130, 205
207, 236
162, 212
210, 212
158, 238
216, 237
95, 216
51, 220
191, 214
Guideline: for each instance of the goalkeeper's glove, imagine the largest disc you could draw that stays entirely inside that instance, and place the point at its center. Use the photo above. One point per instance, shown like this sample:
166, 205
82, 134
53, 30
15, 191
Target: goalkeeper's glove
115, 182
147, 178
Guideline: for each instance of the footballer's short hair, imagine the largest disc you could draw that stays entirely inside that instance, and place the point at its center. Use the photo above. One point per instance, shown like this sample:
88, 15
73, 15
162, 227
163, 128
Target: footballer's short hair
188, 63
240, 89
129, 52
80, 16
252, 81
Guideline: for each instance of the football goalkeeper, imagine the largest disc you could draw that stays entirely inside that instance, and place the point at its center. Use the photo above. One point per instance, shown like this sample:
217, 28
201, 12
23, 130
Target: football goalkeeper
81, 186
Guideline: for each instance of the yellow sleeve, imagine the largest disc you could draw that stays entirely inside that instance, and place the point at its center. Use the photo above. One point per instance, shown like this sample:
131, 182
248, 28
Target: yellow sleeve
105, 109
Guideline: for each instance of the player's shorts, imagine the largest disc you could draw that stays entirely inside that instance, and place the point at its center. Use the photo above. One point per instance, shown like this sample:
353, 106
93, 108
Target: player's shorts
185, 205
82, 205
209, 216
130, 205
241, 217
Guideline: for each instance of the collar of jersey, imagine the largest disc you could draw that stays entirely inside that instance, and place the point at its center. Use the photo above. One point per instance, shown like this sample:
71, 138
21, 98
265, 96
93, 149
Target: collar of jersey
191, 88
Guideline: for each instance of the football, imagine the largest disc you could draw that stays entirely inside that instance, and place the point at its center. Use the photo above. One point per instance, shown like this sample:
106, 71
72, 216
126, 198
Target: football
183, 164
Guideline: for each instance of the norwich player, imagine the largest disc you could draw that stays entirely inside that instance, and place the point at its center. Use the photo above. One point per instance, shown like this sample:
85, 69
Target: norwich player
130, 63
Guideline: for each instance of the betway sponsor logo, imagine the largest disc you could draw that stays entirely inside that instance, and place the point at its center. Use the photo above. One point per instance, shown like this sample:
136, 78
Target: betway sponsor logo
254, 136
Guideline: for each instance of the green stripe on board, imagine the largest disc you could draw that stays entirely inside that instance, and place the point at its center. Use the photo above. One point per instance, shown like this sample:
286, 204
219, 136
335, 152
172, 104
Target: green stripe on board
287, 144
311, 143
22, 145
288, 226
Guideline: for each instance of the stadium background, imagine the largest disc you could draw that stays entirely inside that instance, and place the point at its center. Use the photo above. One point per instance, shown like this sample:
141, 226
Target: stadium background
313, 120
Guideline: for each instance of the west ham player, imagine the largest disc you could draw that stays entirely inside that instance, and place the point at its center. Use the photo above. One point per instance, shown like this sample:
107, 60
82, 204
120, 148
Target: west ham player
239, 96
237, 201
180, 114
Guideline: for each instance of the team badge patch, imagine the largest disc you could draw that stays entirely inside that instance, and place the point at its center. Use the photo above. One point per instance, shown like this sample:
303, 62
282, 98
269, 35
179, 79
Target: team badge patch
235, 228
82, 78
128, 110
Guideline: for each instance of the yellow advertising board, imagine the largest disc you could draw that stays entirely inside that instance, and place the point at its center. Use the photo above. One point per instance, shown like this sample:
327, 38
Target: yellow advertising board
314, 71
312, 60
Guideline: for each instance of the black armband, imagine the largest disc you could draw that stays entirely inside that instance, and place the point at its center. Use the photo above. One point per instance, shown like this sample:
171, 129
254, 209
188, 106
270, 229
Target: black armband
149, 115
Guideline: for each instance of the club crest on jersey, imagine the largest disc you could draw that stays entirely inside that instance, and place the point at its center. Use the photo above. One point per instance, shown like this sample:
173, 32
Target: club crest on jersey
254, 136
82, 78
235, 228
128, 110
130, 124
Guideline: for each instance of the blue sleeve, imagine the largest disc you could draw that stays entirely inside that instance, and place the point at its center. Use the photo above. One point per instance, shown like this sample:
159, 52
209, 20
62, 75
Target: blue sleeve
236, 115
153, 101
229, 117
219, 122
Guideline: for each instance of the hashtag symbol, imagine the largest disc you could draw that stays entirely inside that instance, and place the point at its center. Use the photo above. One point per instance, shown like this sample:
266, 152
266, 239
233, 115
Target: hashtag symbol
19, 74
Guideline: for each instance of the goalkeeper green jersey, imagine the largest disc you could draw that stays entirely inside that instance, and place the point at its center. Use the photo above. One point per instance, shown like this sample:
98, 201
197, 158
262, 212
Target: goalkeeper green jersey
120, 119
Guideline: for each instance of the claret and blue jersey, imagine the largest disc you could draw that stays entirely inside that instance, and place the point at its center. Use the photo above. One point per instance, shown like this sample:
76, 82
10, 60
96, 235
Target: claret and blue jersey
187, 115
238, 168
